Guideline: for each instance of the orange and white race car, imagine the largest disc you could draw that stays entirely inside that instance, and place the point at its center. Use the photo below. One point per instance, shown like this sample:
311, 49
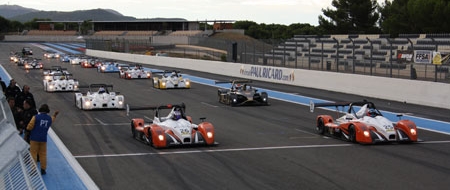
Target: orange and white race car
366, 125
172, 129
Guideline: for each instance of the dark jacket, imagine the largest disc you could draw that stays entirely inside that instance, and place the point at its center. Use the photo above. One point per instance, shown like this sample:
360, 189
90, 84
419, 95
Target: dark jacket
22, 96
12, 91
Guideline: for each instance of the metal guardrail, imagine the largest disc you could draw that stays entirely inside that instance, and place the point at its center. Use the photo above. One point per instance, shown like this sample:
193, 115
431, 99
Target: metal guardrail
17, 168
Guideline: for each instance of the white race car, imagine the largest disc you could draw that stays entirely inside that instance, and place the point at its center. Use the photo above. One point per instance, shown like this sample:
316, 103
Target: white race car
170, 79
136, 72
99, 96
60, 82
49, 54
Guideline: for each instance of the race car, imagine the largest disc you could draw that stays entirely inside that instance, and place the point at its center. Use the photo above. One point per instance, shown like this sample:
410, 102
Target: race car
241, 93
136, 72
33, 64
91, 63
172, 129
170, 79
99, 96
365, 126
48, 73
14, 57
27, 51
50, 54
65, 57
75, 60
109, 66
60, 82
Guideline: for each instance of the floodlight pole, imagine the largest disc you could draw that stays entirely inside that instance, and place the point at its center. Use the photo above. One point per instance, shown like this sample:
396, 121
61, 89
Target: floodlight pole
371, 53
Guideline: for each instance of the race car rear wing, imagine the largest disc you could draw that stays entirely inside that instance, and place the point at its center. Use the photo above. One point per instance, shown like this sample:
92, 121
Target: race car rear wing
313, 105
168, 106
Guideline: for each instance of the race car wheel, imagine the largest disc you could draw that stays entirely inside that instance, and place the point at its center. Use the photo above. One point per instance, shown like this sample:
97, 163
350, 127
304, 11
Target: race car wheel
149, 138
352, 133
320, 126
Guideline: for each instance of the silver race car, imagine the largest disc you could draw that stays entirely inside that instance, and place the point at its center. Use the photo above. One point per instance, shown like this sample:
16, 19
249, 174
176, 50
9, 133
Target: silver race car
99, 96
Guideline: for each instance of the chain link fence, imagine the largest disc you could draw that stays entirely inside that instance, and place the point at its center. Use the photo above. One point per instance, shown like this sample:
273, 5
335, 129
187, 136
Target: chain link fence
377, 57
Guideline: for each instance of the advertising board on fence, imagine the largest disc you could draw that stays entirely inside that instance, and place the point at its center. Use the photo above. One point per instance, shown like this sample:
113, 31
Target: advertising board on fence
422, 56
405, 56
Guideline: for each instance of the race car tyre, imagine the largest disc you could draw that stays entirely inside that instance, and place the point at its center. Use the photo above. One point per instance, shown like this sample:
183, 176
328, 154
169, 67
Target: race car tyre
149, 140
352, 133
264, 95
320, 126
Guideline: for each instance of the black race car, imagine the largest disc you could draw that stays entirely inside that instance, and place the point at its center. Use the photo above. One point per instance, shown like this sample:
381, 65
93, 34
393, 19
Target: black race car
241, 93
27, 51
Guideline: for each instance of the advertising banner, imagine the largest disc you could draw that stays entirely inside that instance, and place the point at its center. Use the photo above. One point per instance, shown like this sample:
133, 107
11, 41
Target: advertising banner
422, 56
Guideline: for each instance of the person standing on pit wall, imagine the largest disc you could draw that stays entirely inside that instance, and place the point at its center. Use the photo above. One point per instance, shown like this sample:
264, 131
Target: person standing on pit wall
12, 90
24, 95
27, 113
39, 126
16, 112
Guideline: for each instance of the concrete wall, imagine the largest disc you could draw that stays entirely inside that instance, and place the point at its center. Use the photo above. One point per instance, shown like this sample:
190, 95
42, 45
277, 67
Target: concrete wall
412, 91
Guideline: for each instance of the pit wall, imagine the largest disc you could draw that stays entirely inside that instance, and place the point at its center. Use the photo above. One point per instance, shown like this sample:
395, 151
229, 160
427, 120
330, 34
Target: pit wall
403, 90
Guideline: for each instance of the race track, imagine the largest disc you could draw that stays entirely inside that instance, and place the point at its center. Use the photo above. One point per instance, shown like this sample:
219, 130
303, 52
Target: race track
267, 147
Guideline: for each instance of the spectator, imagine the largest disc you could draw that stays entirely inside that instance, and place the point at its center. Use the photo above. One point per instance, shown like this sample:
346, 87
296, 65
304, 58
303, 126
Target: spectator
39, 126
27, 113
25, 95
12, 90
3, 85
16, 111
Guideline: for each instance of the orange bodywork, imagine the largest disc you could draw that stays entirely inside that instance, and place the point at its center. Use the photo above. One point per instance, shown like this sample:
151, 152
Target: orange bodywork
204, 128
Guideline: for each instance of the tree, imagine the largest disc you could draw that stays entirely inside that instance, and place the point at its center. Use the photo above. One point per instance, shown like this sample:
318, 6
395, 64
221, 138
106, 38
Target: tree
415, 16
350, 16
4, 25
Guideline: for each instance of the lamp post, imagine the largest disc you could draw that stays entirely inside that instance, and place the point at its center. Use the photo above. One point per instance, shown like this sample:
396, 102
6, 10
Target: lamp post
371, 53
353, 55
337, 54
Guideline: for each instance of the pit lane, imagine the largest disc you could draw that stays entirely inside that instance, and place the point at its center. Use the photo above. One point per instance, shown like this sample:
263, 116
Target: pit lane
268, 147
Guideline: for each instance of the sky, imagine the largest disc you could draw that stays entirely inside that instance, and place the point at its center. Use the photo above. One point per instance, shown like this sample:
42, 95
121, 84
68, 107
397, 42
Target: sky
284, 12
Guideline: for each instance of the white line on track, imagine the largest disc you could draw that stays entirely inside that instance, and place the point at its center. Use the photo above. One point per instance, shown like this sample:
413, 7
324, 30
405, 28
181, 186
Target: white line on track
235, 149
204, 103
215, 150
306, 132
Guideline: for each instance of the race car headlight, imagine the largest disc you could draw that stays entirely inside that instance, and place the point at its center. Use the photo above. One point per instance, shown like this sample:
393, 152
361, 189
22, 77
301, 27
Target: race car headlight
103, 68
209, 134
47, 77
163, 84
121, 102
148, 75
264, 99
234, 100
87, 103
161, 137
366, 133
187, 83
51, 86
413, 131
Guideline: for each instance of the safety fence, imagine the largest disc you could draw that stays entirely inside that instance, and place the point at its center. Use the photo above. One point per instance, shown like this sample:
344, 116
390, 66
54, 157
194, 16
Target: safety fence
17, 168
377, 56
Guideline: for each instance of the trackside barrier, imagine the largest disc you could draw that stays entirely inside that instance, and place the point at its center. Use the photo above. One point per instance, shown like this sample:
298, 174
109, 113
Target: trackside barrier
17, 168
411, 91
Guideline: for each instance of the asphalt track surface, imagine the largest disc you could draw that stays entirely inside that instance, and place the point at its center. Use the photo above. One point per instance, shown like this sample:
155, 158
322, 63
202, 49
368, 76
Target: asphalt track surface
267, 147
